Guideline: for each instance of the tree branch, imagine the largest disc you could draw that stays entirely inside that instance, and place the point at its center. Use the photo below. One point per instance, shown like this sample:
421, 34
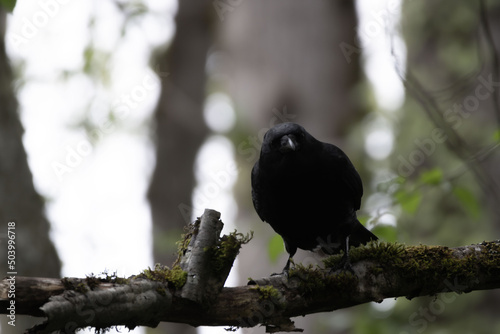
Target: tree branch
380, 271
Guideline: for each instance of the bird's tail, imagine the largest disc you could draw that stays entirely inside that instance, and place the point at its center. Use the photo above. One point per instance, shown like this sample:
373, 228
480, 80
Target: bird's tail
360, 235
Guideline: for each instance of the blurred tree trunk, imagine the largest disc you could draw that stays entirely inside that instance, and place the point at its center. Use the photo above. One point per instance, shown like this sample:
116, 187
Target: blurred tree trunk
19, 201
180, 131
282, 61
287, 55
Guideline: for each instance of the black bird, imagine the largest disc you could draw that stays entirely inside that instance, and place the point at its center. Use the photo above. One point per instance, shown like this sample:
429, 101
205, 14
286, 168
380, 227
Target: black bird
309, 192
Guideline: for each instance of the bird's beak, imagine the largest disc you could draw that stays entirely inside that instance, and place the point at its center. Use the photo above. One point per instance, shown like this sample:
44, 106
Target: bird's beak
287, 144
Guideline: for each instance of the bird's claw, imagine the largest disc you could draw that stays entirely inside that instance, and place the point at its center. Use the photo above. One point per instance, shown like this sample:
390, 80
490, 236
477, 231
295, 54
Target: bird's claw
347, 266
344, 265
286, 269
283, 273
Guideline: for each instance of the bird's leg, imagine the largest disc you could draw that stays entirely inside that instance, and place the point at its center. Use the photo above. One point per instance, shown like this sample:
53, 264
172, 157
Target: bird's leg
286, 269
345, 261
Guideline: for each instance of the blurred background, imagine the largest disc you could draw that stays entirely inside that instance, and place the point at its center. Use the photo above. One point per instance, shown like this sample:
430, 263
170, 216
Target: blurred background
121, 121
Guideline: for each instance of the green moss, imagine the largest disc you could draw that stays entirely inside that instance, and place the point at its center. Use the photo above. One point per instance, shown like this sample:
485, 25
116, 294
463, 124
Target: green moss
381, 251
271, 294
267, 292
121, 280
313, 281
75, 284
67, 284
435, 263
82, 288
175, 277
428, 265
489, 258
161, 291
223, 254
92, 281
113, 278
182, 245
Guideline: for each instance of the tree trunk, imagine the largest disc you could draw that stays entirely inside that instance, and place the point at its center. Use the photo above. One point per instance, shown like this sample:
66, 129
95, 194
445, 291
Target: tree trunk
21, 206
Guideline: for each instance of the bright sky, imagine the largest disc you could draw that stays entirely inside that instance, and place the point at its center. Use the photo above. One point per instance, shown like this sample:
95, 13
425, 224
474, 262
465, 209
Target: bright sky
97, 188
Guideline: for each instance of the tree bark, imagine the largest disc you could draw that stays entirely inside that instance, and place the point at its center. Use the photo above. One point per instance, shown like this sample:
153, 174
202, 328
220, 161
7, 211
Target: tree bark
379, 271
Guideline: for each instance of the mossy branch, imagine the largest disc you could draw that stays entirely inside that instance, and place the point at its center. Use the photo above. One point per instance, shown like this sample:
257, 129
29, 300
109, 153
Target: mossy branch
380, 270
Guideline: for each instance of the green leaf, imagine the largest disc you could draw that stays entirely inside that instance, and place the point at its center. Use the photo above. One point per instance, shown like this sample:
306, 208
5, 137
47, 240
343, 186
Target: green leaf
275, 248
8, 5
385, 232
363, 219
496, 135
432, 177
390, 185
469, 201
409, 201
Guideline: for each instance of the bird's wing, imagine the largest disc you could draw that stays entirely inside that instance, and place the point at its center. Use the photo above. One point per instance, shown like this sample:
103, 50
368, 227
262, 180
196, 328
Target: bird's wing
256, 190
345, 171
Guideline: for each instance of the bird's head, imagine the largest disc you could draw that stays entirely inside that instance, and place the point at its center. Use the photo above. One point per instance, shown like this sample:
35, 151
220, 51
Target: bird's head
285, 141
283, 138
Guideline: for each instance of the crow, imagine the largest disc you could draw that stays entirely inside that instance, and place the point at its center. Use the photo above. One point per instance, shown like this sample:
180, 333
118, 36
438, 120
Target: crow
309, 192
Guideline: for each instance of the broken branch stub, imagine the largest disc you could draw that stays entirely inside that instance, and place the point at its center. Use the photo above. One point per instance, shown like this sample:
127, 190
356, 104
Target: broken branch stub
208, 257
201, 285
